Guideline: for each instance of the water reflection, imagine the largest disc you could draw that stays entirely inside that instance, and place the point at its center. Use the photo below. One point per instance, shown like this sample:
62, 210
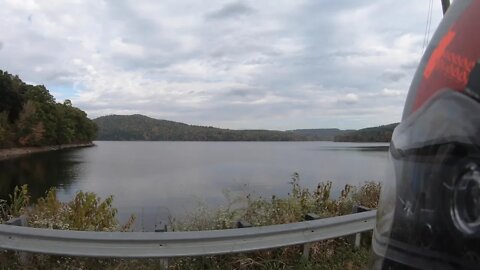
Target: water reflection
40, 171
155, 180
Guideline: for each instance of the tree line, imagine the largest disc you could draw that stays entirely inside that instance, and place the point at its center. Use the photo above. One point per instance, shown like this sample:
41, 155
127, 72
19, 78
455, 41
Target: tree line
372, 134
142, 128
30, 116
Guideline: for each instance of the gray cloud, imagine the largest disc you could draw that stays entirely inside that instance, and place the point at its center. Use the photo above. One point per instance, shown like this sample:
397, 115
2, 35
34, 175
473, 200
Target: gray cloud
278, 65
356, 53
240, 92
410, 65
231, 10
393, 76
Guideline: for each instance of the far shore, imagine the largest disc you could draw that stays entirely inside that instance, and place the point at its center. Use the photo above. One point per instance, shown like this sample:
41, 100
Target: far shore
21, 151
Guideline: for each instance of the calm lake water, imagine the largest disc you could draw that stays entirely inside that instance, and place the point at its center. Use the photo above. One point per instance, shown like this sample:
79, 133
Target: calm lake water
156, 179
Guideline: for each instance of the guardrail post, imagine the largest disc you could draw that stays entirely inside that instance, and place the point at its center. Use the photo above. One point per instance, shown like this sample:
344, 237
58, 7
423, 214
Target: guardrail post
306, 250
311, 216
22, 222
18, 221
160, 228
358, 239
358, 236
242, 224
164, 228
308, 246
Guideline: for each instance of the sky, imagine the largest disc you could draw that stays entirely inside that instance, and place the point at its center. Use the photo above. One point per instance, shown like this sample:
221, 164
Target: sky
231, 64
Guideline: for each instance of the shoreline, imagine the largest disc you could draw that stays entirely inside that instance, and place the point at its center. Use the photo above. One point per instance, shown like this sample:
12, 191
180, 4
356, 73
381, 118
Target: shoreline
10, 153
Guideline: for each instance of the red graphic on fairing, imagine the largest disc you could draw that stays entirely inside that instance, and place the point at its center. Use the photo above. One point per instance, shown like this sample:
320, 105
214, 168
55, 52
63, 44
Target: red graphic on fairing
451, 62
438, 53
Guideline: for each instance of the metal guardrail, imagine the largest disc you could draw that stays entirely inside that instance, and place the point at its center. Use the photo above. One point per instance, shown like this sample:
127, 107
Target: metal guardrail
177, 244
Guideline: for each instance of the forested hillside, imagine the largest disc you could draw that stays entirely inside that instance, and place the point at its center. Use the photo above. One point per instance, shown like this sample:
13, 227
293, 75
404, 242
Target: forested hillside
324, 134
372, 134
30, 116
142, 128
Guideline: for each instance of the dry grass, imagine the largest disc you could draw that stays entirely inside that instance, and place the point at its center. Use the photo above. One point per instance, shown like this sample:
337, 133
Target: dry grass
88, 212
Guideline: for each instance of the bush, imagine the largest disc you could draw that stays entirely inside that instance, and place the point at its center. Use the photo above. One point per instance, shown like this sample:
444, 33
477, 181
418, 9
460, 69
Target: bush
368, 195
17, 204
86, 212
258, 211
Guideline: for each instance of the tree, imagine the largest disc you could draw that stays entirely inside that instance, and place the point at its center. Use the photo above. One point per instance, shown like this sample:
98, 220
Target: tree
29, 116
40, 94
5, 131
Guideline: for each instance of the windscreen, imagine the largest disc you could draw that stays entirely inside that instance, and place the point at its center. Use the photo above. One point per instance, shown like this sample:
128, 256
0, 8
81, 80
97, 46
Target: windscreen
429, 213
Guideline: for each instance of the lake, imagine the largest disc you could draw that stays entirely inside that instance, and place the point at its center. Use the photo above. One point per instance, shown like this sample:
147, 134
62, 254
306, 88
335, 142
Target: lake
157, 179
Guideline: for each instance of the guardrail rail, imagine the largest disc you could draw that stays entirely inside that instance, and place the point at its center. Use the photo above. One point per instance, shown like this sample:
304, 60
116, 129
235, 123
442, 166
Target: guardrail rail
177, 244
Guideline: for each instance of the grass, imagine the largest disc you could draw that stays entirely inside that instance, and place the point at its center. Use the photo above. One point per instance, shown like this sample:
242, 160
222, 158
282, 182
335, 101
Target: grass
88, 212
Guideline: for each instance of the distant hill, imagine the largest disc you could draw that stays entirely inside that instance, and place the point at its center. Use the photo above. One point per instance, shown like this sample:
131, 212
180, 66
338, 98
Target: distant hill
372, 134
325, 134
142, 128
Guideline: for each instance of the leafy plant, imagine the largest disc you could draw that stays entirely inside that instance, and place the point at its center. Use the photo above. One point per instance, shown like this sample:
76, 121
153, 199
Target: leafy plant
19, 200
86, 212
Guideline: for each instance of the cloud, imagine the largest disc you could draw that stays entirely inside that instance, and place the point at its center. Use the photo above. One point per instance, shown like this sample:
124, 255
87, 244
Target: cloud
391, 75
410, 65
1, 45
119, 46
392, 93
22, 5
349, 98
244, 64
231, 10
243, 92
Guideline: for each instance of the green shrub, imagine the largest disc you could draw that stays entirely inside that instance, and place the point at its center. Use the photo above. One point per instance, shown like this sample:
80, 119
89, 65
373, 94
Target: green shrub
16, 205
86, 212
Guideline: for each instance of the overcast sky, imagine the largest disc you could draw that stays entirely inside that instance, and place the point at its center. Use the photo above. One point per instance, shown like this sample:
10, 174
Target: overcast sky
233, 64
